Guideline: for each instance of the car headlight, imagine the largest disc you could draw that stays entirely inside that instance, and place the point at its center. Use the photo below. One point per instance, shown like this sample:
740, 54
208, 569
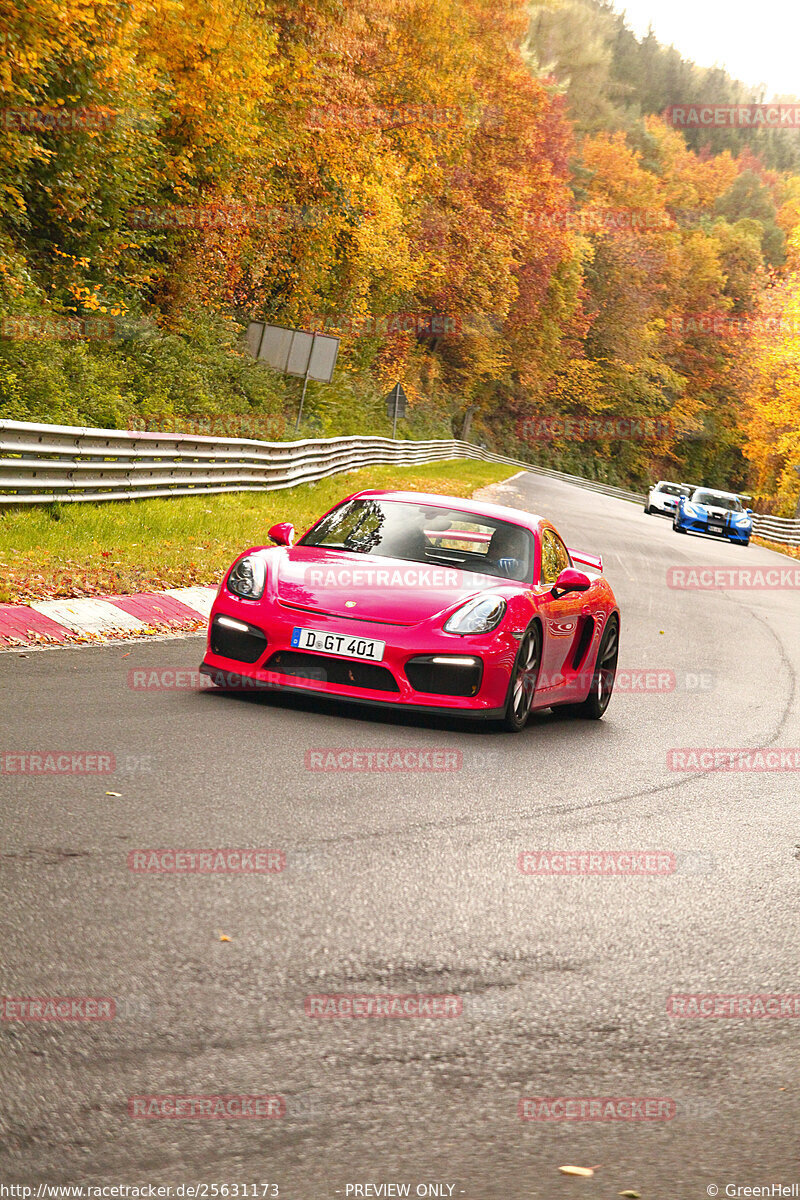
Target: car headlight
248, 577
479, 615
691, 511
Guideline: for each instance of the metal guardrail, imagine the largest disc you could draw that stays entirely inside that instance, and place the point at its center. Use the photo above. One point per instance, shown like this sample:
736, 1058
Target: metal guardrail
784, 530
43, 463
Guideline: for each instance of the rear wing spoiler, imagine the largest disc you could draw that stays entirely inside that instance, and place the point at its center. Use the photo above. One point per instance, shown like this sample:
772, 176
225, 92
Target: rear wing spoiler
593, 561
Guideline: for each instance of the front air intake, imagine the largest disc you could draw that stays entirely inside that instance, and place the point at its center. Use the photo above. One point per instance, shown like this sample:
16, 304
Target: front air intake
235, 639
346, 672
445, 675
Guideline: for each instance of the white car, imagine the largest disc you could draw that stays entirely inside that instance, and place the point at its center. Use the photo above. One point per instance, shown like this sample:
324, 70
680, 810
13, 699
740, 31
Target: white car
663, 498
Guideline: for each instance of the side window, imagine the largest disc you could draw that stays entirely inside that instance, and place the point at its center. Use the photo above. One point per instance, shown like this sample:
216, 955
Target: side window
554, 557
564, 559
549, 558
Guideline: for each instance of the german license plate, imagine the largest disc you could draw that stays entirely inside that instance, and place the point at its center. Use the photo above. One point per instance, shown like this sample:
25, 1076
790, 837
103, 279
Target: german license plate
337, 643
716, 526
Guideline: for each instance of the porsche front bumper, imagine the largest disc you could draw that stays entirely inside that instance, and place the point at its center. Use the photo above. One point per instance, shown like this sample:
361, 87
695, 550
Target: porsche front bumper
422, 667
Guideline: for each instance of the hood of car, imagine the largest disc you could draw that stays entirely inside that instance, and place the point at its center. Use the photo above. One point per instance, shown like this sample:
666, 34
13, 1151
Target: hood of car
388, 590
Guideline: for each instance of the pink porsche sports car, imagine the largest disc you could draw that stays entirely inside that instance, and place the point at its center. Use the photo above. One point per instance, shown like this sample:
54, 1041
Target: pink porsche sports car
429, 602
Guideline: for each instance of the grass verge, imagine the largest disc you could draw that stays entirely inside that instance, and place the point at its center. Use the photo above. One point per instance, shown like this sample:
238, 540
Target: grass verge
791, 551
141, 545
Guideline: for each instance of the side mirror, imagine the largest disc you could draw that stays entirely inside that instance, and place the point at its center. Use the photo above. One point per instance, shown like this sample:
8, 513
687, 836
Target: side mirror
749, 512
570, 580
282, 534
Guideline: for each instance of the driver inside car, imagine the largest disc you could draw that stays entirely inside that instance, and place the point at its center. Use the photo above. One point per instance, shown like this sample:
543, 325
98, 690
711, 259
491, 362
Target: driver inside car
508, 550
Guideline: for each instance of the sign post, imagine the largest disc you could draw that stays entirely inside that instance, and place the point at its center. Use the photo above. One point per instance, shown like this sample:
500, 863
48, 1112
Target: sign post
396, 405
294, 352
305, 385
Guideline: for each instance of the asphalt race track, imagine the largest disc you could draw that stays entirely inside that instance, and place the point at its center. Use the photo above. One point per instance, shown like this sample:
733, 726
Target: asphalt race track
407, 882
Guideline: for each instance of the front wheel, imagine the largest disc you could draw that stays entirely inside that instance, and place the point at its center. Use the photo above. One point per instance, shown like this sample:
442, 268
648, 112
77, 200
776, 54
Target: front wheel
647, 509
605, 672
678, 528
524, 674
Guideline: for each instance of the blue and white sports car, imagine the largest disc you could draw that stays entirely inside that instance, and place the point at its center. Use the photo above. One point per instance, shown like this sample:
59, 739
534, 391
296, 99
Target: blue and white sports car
721, 514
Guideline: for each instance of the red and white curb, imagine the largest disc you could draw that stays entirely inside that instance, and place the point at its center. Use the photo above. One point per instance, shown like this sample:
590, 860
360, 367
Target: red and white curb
98, 619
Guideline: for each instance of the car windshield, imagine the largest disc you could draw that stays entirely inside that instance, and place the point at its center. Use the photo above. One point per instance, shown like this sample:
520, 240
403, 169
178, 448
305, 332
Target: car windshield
424, 534
672, 489
717, 500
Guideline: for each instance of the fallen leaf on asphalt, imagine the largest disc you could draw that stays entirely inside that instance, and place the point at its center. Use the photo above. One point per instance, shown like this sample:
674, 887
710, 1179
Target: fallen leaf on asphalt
113, 793
584, 1172
224, 937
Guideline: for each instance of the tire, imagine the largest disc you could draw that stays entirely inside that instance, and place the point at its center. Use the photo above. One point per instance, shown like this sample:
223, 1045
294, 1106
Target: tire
605, 672
522, 684
677, 527
648, 509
